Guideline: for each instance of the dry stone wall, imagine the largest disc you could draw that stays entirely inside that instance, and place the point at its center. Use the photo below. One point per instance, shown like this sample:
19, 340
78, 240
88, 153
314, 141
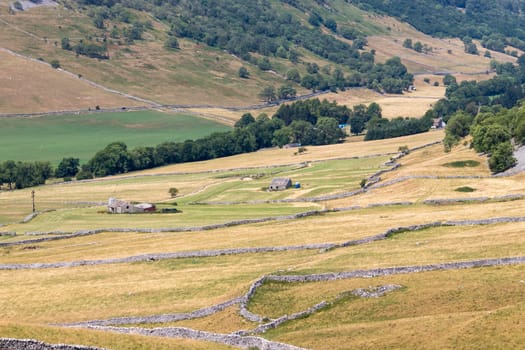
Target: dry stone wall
236, 251
186, 333
30, 344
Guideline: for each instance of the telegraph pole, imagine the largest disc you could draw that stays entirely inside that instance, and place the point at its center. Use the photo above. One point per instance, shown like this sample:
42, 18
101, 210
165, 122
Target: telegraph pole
33, 197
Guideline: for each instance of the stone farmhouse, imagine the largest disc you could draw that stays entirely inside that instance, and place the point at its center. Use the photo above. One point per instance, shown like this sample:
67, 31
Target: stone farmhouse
118, 206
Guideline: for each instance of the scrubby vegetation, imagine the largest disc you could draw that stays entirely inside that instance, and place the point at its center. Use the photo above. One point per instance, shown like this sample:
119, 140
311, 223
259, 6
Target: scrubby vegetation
496, 23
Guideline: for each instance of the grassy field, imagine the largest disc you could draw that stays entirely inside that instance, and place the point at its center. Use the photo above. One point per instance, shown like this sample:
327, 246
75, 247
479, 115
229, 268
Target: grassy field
33, 87
477, 302
81, 136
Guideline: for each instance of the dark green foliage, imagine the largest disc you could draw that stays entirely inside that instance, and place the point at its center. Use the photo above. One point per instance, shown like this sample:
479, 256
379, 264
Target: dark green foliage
470, 47
114, 159
458, 127
244, 73
172, 43
461, 18
495, 41
502, 158
264, 64
68, 167
449, 80
361, 115
293, 75
311, 110
24, 174
84, 175
463, 164
55, 63
8, 173
331, 24
91, 50
487, 137
348, 33
18, 6
407, 43
327, 131
268, 94
380, 128
286, 92
465, 189
246, 119
65, 44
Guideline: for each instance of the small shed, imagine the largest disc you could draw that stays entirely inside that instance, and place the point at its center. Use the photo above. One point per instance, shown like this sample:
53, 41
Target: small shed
144, 208
280, 184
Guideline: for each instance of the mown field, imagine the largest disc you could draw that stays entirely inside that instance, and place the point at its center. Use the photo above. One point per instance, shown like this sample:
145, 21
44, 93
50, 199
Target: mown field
465, 308
52, 138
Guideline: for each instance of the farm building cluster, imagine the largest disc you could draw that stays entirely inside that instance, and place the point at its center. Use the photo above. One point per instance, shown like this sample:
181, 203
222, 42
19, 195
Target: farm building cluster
118, 206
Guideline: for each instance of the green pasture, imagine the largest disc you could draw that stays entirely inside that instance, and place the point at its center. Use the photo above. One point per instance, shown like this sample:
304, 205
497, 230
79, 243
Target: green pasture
191, 215
52, 138
316, 179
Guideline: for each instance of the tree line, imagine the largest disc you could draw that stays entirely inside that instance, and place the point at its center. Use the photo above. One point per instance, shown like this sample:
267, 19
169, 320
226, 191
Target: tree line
248, 135
491, 111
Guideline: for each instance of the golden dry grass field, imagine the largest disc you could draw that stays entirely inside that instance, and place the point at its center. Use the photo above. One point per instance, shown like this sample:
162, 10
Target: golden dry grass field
171, 263
195, 74
465, 308
33, 87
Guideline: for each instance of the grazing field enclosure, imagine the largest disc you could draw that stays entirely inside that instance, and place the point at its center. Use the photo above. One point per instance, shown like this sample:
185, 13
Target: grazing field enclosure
384, 244
224, 272
81, 136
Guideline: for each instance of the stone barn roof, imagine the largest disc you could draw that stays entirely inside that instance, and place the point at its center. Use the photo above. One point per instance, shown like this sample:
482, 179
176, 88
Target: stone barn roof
280, 183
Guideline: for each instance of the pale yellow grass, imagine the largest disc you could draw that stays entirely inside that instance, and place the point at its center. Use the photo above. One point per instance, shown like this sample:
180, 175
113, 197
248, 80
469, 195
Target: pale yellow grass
144, 69
432, 160
226, 321
419, 190
478, 308
58, 335
183, 285
32, 87
409, 104
277, 156
439, 60
433, 245
228, 116
328, 228
104, 291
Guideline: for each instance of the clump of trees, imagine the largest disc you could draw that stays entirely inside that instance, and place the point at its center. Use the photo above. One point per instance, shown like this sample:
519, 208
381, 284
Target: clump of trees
86, 48
310, 122
490, 111
24, 174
